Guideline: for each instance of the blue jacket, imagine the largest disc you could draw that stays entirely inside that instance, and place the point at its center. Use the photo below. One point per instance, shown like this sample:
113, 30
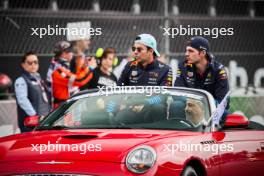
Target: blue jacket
214, 80
31, 98
155, 74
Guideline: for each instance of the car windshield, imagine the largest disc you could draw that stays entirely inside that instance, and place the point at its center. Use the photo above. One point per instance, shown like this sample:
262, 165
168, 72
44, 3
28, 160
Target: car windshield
171, 111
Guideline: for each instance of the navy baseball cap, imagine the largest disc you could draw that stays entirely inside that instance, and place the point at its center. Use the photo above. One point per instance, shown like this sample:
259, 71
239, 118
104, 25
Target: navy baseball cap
201, 44
148, 40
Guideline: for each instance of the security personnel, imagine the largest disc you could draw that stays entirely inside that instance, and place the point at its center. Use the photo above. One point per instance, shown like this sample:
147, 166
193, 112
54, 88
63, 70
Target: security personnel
145, 70
30, 91
64, 83
200, 70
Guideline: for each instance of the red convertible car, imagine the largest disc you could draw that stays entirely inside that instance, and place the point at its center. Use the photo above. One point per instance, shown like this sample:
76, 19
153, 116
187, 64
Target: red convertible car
137, 131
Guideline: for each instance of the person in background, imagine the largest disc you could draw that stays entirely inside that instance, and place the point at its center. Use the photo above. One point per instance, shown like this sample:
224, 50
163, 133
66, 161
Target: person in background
102, 75
80, 47
63, 54
120, 67
30, 91
64, 83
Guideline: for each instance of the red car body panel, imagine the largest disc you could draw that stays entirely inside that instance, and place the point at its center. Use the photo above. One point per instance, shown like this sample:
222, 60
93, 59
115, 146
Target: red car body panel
17, 157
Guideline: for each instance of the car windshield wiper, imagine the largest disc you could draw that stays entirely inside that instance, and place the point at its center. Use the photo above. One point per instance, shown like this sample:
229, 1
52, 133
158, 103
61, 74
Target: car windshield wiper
57, 127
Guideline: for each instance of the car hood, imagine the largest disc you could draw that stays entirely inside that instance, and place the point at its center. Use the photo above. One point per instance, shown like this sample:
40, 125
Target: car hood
86, 145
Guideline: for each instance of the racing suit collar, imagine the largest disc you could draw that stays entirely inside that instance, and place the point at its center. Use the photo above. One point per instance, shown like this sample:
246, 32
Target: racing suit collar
208, 65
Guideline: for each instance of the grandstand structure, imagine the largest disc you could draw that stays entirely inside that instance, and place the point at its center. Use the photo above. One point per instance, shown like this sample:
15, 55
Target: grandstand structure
122, 20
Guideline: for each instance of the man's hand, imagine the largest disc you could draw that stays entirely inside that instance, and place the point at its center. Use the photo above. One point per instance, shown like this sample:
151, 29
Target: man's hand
100, 103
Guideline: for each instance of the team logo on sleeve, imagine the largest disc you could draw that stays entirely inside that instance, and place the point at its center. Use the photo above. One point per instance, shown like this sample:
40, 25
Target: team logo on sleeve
223, 74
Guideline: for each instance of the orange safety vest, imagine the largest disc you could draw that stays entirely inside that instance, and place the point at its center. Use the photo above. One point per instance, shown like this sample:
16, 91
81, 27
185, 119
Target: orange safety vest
63, 80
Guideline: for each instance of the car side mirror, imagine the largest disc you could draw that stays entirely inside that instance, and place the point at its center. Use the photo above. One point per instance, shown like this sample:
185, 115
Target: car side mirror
236, 121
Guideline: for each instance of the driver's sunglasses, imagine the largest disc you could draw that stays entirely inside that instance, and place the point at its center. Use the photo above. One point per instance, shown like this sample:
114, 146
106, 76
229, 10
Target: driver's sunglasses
32, 62
138, 49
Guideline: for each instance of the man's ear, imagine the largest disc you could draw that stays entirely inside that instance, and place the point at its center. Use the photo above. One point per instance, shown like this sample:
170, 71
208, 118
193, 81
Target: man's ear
151, 50
203, 53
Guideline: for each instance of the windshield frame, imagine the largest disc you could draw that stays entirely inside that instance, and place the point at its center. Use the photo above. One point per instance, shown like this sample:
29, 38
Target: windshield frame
96, 93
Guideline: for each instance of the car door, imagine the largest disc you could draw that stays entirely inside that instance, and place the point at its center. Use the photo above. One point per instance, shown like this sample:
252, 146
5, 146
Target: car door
247, 154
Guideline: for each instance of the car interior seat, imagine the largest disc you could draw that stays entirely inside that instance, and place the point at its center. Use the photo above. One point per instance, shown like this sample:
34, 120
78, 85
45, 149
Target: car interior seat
177, 108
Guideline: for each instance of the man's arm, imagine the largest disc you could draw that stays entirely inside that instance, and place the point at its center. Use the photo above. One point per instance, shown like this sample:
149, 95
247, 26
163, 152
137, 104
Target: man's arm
21, 92
180, 81
64, 77
166, 79
93, 82
221, 84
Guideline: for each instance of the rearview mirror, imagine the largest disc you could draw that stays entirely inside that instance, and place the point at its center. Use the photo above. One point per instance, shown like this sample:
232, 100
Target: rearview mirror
236, 121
